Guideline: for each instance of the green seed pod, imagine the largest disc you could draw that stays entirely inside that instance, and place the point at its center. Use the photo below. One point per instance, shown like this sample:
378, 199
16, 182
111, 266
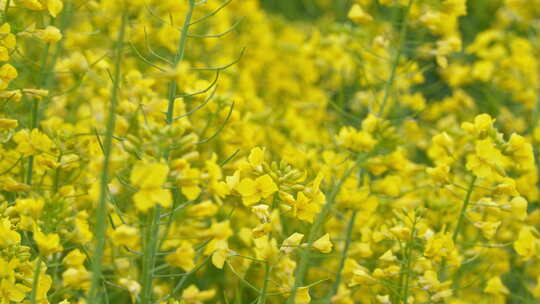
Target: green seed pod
274, 166
266, 167
298, 187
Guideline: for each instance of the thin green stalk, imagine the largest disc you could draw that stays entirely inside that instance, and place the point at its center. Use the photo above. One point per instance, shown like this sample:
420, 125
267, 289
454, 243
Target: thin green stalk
342, 9
45, 81
35, 282
56, 181
406, 273
264, 290
34, 115
461, 219
183, 281
397, 58
46, 78
6, 7
178, 59
305, 254
239, 292
348, 239
149, 257
175, 204
152, 242
101, 212
464, 209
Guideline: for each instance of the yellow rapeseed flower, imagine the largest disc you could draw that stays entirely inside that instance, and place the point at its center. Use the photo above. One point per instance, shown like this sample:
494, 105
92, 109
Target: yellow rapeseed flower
149, 178
253, 190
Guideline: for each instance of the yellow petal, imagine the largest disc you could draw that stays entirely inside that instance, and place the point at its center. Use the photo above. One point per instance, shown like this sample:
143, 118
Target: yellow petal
358, 15
250, 200
256, 157
149, 175
266, 185
246, 187
191, 192
54, 7
323, 244
495, 286
218, 258
162, 197
302, 296
143, 201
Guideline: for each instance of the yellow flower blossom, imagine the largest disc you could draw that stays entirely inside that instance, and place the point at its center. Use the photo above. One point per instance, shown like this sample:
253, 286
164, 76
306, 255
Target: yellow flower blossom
47, 243
53, 6
495, 286
488, 229
125, 235
304, 208
440, 246
203, 209
361, 276
323, 244
189, 179
302, 296
256, 157
482, 123
488, 161
77, 278
50, 34
182, 257
192, 295
7, 74
266, 249
7, 42
422, 191
12, 292
74, 258
518, 207
32, 142
149, 178
527, 243
360, 141
358, 15
219, 249
8, 236
291, 242
253, 191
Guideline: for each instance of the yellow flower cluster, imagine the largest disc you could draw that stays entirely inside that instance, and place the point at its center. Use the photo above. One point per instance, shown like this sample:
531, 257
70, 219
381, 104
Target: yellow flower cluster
259, 151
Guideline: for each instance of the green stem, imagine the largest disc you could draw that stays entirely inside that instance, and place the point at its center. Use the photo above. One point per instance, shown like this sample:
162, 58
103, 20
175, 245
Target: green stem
6, 7
408, 256
397, 58
56, 181
34, 115
46, 81
101, 212
152, 243
348, 239
149, 257
342, 9
175, 204
305, 254
264, 291
35, 282
464, 209
461, 219
178, 59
